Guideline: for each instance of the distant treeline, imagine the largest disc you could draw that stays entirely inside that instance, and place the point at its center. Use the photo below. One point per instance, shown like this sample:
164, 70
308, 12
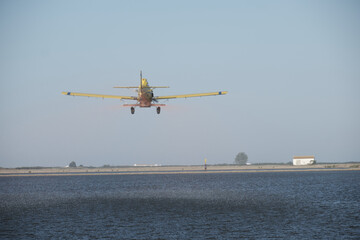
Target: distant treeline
36, 167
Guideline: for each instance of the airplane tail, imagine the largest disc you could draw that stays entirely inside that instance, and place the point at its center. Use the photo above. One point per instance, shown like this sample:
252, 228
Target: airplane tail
137, 87
140, 80
141, 85
159, 87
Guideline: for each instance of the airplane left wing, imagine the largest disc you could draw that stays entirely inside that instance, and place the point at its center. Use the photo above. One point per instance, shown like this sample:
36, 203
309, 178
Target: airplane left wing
99, 95
191, 95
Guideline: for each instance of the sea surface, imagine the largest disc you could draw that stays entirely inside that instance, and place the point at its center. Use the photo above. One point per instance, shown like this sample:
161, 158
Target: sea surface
263, 205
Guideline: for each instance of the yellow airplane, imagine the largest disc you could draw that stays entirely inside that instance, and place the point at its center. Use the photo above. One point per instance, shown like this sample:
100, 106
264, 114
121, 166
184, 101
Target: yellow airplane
145, 96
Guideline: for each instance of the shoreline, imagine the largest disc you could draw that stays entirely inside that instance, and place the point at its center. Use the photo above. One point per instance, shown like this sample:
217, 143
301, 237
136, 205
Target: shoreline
133, 170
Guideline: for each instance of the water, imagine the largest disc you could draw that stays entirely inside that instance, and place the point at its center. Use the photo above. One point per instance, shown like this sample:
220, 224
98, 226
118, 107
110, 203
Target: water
291, 205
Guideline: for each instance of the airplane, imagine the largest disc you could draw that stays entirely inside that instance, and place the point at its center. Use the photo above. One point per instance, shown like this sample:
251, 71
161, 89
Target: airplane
145, 98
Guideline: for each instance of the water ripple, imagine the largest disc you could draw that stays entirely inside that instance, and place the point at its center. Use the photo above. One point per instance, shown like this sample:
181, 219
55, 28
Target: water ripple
196, 206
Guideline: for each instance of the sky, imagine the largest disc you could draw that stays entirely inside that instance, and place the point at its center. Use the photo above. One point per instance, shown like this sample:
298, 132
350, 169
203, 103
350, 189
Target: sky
292, 69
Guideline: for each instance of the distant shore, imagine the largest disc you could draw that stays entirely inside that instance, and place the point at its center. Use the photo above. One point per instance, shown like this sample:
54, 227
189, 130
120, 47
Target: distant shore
128, 170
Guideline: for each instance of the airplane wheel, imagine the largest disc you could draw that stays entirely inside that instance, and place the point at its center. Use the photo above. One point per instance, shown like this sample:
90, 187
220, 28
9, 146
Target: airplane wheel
158, 110
132, 110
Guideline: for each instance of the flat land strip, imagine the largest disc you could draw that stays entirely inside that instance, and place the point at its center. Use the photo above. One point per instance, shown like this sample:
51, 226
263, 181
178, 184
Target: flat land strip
126, 170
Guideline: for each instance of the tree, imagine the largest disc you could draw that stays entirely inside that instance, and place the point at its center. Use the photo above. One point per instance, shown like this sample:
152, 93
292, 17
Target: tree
72, 164
241, 158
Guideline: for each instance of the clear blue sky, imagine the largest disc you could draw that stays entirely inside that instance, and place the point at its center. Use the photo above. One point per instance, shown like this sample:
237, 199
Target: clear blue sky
292, 69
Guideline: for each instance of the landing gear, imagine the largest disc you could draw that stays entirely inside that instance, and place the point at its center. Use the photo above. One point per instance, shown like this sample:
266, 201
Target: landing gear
132, 110
158, 110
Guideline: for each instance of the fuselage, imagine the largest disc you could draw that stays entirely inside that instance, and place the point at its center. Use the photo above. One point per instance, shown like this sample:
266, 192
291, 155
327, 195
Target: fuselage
145, 94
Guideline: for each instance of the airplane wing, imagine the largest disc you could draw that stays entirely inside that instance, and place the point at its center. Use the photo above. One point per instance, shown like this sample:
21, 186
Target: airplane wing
99, 95
192, 95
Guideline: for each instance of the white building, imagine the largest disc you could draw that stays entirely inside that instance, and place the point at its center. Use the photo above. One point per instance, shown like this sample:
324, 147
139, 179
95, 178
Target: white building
303, 160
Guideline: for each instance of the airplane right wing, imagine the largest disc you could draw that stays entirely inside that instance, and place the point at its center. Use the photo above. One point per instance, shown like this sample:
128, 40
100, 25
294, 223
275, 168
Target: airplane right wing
99, 95
192, 95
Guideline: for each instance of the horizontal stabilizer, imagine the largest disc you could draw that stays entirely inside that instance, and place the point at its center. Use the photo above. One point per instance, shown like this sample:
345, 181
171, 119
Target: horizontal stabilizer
160, 87
126, 87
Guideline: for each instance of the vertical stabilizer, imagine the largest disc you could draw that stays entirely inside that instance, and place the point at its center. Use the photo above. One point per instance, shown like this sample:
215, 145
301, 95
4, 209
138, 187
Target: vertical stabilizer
140, 80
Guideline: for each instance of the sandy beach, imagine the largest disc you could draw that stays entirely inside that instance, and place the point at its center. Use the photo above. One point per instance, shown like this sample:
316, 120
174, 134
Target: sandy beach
174, 169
